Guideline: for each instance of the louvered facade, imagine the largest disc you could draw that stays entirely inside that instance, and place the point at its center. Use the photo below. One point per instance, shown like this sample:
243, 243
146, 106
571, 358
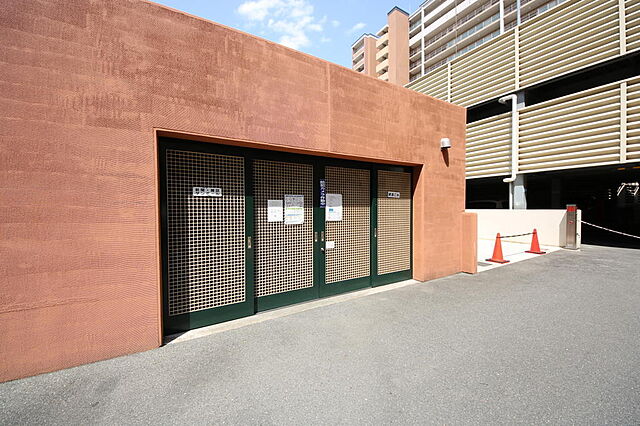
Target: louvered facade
593, 127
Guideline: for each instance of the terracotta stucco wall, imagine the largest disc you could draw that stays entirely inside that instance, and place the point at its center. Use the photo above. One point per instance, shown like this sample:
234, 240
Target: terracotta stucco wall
82, 86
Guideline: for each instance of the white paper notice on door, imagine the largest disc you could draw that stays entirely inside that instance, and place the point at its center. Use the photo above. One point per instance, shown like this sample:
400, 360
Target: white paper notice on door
274, 210
293, 209
334, 207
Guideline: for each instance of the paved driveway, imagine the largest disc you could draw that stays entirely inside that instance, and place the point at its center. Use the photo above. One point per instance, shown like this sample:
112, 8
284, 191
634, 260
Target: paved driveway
554, 339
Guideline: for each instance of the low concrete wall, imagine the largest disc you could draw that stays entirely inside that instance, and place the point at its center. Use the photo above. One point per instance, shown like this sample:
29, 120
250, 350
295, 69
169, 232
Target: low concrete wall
469, 246
550, 224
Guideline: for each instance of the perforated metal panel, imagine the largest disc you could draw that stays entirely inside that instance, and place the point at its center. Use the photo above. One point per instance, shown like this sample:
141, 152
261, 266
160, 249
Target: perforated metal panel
394, 222
283, 253
205, 234
350, 258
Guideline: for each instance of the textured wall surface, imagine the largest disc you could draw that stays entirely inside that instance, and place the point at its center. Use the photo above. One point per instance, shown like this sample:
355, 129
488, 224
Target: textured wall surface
83, 84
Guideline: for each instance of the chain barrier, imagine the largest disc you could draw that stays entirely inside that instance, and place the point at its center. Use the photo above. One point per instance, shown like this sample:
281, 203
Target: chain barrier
515, 235
610, 230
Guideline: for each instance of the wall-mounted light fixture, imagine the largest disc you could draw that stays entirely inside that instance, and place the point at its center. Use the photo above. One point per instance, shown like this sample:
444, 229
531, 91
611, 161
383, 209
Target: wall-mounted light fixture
445, 143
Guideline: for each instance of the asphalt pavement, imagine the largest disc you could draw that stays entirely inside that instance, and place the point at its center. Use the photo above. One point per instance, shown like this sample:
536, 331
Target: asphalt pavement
555, 339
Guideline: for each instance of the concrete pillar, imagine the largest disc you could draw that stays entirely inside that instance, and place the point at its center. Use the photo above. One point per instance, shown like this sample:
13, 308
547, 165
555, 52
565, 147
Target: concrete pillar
370, 55
398, 21
518, 193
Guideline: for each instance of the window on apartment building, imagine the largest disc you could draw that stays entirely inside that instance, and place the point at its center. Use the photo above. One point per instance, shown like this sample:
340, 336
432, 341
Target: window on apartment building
475, 44
463, 36
540, 10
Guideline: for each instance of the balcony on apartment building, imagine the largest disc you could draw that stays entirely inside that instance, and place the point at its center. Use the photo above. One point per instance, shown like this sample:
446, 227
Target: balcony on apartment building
451, 41
358, 47
383, 37
382, 53
415, 25
477, 26
358, 59
382, 67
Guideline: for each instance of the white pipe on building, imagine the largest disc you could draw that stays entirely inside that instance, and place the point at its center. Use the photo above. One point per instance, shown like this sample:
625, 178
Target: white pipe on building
514, 143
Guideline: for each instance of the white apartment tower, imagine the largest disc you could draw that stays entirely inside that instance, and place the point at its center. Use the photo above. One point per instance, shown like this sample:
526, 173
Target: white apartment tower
441, 30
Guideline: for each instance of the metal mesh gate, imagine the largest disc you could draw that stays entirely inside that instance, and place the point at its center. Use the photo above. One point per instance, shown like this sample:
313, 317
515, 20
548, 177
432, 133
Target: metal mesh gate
283, 252
205, 230
394, 221
350, 258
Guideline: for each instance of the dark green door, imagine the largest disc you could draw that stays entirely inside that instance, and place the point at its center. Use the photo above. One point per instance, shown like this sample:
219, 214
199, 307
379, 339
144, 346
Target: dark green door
284, 231
207, 269
392, 217
345, 253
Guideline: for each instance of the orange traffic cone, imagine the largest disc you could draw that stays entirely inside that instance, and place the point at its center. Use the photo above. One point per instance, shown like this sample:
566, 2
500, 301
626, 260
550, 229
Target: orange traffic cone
497, 252
535, 246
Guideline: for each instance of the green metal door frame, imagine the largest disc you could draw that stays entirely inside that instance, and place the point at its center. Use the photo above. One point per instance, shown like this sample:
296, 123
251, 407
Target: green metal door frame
378, 280
330, 289
278, 300
188, 321
252, 304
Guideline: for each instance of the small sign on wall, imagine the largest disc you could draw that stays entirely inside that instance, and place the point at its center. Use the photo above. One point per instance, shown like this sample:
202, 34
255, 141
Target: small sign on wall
274, 210
323, 193
293, 209
334, 208
392, 194
200, 191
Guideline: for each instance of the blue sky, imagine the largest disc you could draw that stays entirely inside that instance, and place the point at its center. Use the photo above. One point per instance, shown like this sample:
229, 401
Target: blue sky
323, 28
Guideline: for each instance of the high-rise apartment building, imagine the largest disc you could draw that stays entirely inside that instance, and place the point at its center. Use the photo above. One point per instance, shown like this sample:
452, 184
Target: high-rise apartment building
552, 90
442, 30
363, 54
386, 54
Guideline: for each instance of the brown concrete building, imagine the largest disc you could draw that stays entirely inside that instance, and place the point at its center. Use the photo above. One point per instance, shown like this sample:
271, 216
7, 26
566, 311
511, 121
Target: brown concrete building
161, 172
386, 54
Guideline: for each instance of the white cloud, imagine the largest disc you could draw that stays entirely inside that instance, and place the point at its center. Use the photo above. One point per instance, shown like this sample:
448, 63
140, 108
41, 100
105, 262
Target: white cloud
335, 23
324, 39
257, 10
356, 27
290, 20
